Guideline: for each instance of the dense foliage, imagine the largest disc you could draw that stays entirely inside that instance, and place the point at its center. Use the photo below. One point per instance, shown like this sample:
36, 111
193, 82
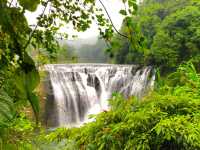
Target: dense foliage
167, 33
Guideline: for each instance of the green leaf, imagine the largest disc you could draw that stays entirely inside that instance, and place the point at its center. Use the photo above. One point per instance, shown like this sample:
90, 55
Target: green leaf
123, 12
135, 6
20, 84
32, 80
33, 99
131, 3
30, 5
158, 130
6, 106
26, 81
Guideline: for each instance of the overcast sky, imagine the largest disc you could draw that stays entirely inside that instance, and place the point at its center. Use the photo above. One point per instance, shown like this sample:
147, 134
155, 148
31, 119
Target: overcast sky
113, 7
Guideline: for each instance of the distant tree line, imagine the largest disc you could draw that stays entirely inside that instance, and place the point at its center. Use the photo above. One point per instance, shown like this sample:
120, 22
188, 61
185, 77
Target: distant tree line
167, 33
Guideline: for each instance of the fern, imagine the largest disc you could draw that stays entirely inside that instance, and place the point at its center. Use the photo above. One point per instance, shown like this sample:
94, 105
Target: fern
6, 107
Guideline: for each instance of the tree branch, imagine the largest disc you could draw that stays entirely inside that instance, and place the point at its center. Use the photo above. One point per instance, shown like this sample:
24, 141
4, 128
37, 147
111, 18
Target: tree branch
31, 35
129, 30
10, 3
112, 21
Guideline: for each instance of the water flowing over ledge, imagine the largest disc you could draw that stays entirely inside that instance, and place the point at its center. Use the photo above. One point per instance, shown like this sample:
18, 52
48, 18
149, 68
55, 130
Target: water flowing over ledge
77, 90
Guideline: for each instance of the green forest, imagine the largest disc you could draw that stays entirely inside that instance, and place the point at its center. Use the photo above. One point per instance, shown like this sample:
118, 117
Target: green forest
163, 34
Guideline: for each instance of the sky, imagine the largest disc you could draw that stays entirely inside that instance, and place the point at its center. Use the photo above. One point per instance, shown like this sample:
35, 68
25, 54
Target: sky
112, 6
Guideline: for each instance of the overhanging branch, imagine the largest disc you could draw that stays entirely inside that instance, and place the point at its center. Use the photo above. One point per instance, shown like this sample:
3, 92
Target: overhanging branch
31, 35
112, 21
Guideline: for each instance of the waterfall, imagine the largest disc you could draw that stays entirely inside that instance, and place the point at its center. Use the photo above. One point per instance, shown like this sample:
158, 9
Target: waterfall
78, 90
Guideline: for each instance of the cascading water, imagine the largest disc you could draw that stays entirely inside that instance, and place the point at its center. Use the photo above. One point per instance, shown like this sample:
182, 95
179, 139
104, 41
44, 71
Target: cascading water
82, 89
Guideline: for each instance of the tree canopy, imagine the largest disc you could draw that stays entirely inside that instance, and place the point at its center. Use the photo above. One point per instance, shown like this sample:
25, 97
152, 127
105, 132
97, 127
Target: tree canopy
167, 34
